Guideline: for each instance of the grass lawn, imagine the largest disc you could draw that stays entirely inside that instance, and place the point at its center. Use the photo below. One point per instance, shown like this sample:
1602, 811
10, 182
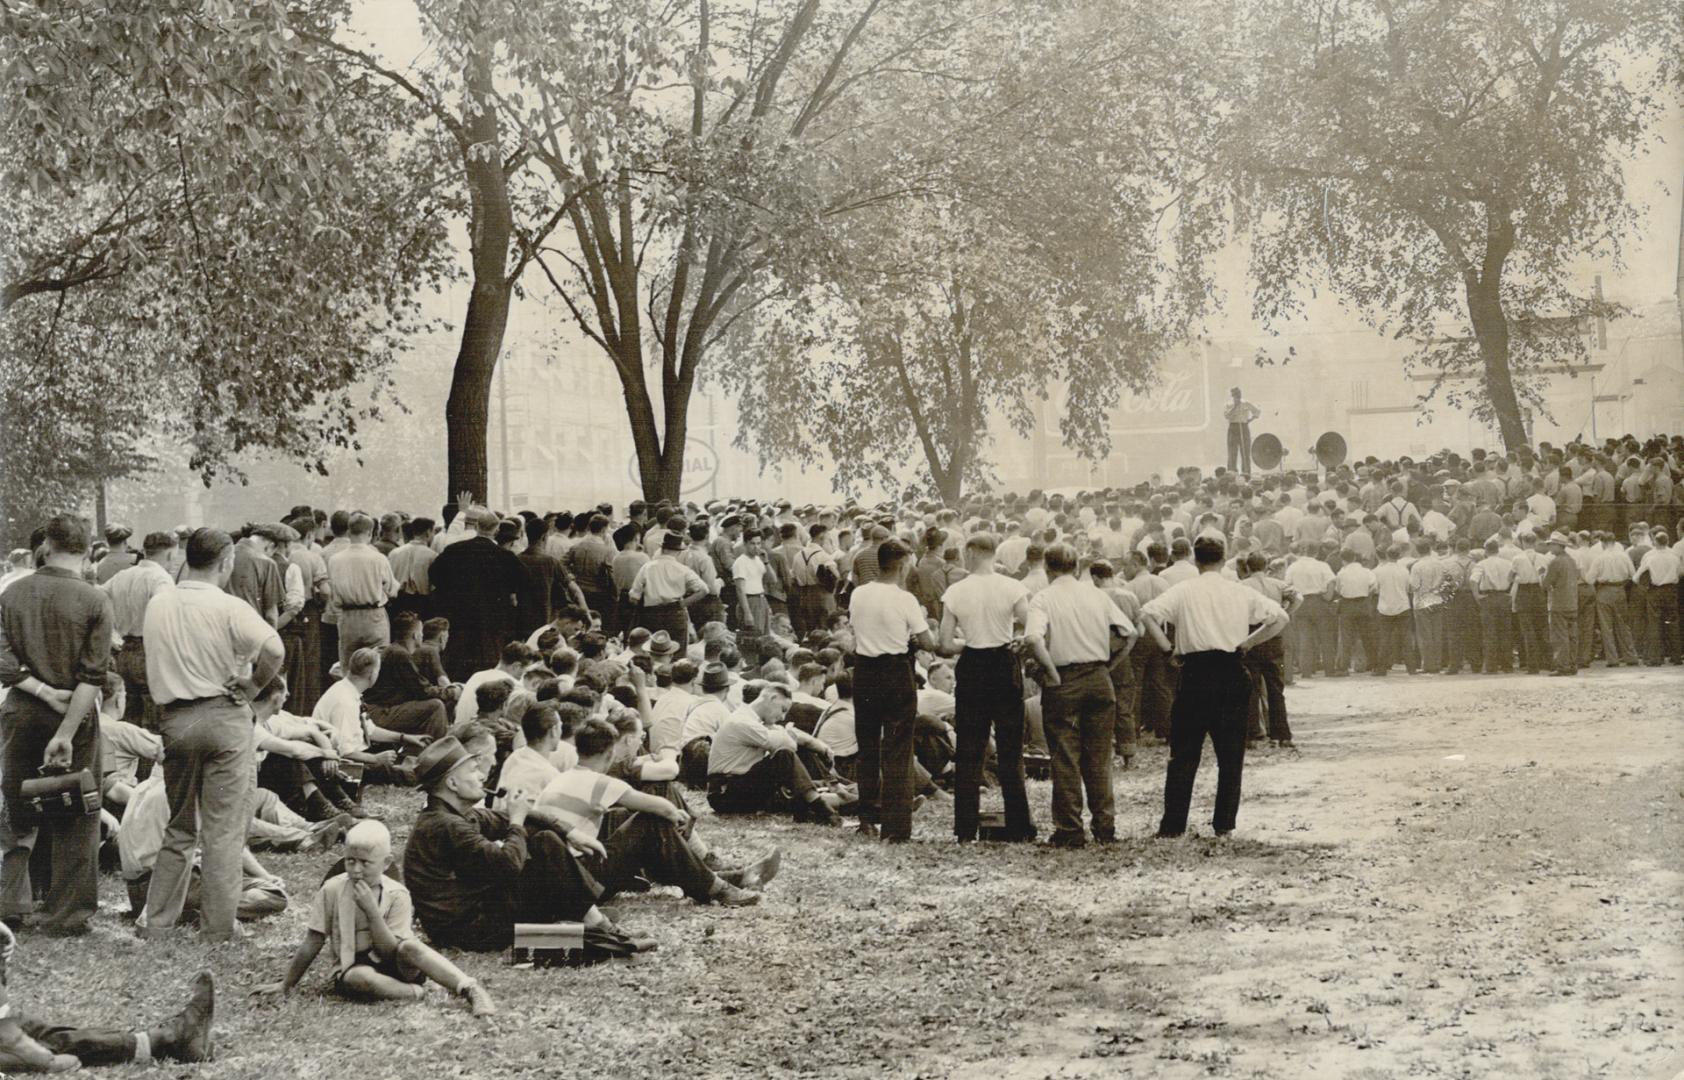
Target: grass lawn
1452, 877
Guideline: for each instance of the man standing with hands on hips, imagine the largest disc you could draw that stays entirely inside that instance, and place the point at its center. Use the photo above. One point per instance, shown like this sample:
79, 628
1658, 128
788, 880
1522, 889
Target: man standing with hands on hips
1239, 414
1072, 627
207, 655
886, 619
1213, 619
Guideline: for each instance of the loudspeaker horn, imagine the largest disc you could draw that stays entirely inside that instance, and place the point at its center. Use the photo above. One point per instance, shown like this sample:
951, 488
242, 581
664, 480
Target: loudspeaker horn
1266, 452
1330, 450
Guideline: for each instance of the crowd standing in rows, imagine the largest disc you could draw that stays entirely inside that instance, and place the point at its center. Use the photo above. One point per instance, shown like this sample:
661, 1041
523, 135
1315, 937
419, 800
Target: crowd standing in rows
560, 686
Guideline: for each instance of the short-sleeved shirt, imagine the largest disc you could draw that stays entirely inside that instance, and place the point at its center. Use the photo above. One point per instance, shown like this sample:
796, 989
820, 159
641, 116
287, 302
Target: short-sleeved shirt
198, 638
1354, 581
131, 591
123, 746
56, 627
525, 769
1075, 619
1211, 613
750, 574
982, 605
397, 911
1391, 583
580, 798
835, 728
885, 619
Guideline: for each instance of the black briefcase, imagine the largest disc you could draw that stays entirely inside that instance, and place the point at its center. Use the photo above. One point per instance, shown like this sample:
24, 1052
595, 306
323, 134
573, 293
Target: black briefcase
58, 795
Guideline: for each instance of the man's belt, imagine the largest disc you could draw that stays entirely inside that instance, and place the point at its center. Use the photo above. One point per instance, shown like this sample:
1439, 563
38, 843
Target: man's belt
133, 639
361, 607
1080, 666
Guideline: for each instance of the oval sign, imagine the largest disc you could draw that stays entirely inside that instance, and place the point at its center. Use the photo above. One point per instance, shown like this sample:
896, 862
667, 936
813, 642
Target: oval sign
701, 465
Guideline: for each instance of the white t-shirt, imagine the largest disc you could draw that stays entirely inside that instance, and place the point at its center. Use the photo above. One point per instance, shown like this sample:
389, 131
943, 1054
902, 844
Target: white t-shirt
885, 618
527, 770
341, 709
752, 573
983, 606
937, 703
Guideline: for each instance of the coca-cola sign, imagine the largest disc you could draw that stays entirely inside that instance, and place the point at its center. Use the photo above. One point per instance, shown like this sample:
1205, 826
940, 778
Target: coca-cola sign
1180, 401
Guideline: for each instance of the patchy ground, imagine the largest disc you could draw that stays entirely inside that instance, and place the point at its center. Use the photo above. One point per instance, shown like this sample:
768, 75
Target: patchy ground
1464, 877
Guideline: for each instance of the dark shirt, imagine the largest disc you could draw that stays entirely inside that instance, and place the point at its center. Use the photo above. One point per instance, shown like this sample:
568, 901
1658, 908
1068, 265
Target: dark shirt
547, 585
56, 627
257, 580
429, 663
1561, 584
114, 563
588, 560
474, 585
399, 681
462, 881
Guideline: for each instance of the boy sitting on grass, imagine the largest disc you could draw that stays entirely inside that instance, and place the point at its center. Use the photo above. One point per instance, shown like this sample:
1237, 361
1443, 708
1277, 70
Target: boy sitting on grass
366, 916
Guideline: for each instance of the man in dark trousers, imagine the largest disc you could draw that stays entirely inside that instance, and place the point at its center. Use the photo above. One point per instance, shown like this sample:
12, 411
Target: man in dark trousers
1213, 619
886, 619
54, 652
986, 607
475, 585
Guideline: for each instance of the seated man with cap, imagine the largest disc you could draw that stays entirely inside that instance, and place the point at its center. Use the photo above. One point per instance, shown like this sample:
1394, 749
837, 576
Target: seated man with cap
701, 722
473, 872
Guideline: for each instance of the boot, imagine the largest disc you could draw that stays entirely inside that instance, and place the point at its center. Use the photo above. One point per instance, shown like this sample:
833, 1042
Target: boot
726, 894
186, 1036
318, 807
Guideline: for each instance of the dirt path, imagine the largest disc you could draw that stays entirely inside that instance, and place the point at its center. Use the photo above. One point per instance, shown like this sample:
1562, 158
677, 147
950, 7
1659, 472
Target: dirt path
1454, 877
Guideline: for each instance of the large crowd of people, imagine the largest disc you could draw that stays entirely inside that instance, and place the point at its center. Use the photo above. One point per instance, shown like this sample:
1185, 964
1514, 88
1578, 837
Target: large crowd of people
563, 689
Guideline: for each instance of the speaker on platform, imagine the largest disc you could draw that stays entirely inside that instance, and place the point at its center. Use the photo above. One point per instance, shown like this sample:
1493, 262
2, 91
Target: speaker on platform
1330, 450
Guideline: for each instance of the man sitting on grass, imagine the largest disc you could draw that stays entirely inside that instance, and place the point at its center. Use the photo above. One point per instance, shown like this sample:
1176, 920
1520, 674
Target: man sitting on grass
649, 844
29, 1045
754, 758
365, 915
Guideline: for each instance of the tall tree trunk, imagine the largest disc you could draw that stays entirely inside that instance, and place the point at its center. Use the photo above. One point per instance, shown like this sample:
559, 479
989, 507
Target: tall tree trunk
468, 410
1491, 330
950, 484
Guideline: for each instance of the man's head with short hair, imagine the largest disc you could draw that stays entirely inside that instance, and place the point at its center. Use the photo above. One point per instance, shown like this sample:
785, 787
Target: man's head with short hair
1207, 551
363, 664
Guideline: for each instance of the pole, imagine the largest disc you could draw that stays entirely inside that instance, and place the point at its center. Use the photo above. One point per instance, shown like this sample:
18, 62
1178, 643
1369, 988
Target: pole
503, 428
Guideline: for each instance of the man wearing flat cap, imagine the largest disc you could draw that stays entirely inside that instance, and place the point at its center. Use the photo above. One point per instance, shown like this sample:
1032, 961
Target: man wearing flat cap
120, 557
473, 872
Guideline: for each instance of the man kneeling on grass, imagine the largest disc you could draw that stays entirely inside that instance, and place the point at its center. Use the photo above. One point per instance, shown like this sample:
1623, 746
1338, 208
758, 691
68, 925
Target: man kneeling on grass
649, 844
29, 1045
365, 915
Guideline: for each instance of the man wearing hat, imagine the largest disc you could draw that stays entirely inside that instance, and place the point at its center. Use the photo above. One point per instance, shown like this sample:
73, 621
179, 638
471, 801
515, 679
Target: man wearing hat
1561, 595
473, 872
120, 557
662, 648
663, 590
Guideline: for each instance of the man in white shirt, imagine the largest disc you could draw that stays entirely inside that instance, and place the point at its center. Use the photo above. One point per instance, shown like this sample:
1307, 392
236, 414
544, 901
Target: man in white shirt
986, 607
1491, 579
512, 664
748, 574
1610, 572
1070, 628
1316, 645
1239, 413
755, 756
1354, 587
1658, 577
1213, 619
701, 721
1528, 604
131, 590
666, 722
1395, 637
207, 655
886, 620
